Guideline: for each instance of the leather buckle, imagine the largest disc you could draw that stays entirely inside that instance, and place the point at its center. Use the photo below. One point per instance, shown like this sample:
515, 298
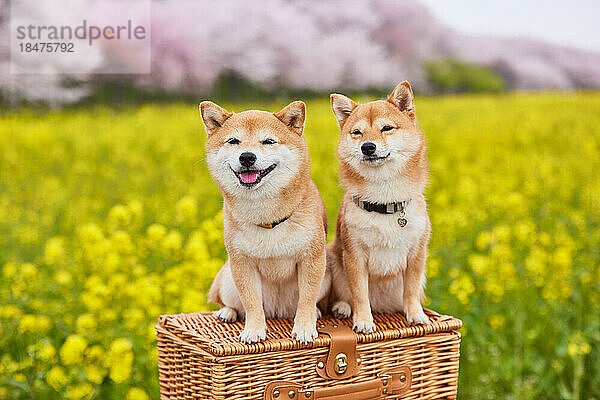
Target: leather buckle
342, 360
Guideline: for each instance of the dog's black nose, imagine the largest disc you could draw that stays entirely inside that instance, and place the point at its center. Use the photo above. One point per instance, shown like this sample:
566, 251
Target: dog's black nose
247, 159
368, 148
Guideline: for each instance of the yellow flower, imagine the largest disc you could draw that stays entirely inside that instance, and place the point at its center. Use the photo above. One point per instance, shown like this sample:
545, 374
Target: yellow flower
578, 345
112, 262
72, 350
63, 278
172, 242
94, 354
195, 248
20, 377
29, 271
121, 241
524, 230
91, 233
80, 391
95, 373
28, 324
120, 345
562, 257
573, 349
515, 203
478, 263
483, 240
186, 209
193, 301
462, 288
136, 394
133, 317
156, 232
136, 208
11, 311
544, 238
46, 352
9, 270
86, 323
119, 215
119, 360
92, 302
57, 377
496, 321
54, 250
35, 324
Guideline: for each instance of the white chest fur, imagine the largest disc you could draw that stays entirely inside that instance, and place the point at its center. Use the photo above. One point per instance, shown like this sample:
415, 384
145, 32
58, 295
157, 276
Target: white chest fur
386, 244
286, 240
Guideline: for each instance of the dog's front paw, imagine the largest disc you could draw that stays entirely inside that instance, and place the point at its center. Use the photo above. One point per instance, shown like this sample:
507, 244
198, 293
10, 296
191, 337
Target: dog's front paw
417, 317
341, 310
364, 325
304, 332
226, 314
253, 335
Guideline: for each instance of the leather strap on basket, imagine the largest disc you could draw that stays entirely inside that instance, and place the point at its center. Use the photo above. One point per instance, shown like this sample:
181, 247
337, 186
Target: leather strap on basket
342, 359
395, 382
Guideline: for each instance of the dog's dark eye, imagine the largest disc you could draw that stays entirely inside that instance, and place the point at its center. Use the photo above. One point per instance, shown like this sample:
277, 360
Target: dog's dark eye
233, 141
356, 132
386, 128
268, 141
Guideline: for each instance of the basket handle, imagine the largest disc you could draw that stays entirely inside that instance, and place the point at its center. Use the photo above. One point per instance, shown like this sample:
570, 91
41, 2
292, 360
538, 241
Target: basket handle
396, 382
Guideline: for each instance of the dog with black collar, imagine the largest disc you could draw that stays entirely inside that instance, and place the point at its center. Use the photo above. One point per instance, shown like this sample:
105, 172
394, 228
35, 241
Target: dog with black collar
377, 259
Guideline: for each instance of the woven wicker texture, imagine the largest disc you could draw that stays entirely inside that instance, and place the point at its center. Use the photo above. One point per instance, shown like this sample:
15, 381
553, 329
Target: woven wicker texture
201, 357
208, 333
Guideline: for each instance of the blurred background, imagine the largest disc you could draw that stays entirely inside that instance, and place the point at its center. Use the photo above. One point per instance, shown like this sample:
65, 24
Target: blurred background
109, 218
233, 50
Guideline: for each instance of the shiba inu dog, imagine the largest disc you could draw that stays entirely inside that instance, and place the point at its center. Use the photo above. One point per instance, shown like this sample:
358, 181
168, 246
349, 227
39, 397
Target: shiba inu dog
274, 219
377, 259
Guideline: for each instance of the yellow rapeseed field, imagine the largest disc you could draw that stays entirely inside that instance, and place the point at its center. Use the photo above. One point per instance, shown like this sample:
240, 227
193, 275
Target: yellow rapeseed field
109, 218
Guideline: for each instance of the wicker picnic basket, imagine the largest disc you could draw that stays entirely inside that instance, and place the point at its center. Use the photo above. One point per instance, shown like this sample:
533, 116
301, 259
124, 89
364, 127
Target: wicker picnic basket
200, 357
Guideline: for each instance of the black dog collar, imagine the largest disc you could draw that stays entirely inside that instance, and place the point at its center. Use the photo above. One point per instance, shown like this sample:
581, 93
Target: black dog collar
389, 208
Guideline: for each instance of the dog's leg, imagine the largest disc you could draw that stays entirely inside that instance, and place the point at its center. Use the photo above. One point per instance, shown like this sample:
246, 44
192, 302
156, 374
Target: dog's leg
248, 283
226, 314
311, 271
414, 279
324, 293
341, 298
341, 309
358, 280
224, 293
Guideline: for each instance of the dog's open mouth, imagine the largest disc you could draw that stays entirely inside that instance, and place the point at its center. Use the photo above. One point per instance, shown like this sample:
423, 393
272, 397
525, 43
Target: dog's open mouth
375, 159
251, 177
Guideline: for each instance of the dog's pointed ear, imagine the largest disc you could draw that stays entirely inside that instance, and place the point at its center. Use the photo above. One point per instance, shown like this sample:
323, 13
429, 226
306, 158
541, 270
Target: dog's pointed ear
342, 107
293, 116
402, 97
213, 116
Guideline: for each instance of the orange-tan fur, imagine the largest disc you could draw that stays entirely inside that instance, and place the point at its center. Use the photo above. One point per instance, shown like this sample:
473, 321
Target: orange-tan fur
377, 265
276, 272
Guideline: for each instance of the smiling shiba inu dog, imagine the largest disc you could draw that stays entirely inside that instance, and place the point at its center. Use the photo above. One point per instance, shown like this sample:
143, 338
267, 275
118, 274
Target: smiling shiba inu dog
274, 219
377, 259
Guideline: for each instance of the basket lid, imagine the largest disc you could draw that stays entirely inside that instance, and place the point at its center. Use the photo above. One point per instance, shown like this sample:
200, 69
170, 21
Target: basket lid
205, 331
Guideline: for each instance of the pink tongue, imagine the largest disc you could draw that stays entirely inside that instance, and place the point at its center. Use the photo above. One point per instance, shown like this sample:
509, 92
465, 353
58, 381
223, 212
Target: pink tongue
249, 176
